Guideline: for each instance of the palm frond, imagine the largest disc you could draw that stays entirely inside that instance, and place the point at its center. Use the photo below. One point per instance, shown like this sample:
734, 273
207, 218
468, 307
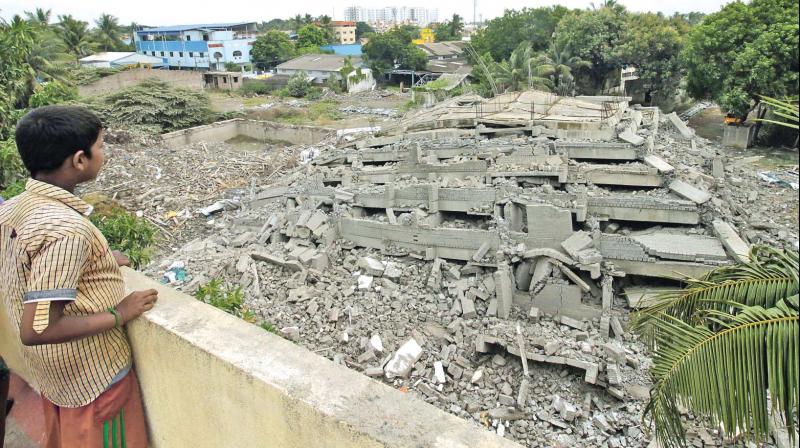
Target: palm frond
768, 277
735, 377
784, 109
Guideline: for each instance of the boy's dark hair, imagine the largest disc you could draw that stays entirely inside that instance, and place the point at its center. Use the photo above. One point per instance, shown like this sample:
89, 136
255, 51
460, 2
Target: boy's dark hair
46, 136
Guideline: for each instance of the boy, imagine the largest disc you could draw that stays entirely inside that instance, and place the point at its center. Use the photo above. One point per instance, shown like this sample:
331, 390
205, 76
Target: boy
63, 288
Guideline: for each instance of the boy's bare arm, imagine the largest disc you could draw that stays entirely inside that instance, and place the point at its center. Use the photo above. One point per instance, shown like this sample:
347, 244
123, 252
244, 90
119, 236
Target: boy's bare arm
69, 328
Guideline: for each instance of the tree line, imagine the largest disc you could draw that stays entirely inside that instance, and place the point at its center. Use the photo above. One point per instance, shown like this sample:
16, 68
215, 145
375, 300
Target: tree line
732, 57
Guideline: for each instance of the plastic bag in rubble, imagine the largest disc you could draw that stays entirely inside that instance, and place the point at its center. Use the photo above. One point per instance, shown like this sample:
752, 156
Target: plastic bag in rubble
308, 155
225, 204
175, 273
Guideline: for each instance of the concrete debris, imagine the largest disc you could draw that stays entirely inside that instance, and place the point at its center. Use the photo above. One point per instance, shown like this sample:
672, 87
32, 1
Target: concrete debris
480, 259
402, 362
689, 192
680, 125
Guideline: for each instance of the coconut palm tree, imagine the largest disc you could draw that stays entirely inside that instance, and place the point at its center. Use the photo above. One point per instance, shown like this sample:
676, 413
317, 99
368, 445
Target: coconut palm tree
108, 33
38, 50
75, 35
524, 69
39, 16
726, 348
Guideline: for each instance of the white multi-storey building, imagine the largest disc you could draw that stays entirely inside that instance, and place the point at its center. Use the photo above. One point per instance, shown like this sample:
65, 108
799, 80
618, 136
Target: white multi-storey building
392, 15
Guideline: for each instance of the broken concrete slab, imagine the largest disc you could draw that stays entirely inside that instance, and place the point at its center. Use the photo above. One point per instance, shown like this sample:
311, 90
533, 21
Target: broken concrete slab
689, 192
631, 137
733, 243
277, 261
577, 242
658, 163
371, 266
684, 130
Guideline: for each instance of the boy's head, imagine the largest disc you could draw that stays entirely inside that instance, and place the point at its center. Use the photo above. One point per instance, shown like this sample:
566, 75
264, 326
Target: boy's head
67, 139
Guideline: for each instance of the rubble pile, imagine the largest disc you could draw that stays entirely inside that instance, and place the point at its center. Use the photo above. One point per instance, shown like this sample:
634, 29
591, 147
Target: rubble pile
168, 187
485, 256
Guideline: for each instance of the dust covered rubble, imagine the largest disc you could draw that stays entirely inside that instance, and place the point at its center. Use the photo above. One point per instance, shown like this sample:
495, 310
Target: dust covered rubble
469, 335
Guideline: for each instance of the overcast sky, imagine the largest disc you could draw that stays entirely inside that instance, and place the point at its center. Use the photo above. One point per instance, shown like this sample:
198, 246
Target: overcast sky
173, 12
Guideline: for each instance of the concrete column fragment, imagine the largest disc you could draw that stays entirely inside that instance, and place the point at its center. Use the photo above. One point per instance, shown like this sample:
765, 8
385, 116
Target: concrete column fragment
676, 121
504, 291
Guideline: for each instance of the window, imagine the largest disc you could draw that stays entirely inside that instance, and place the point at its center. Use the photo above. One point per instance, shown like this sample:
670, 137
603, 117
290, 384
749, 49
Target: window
235, 79
188, 37
191, 54
224, 80
237, 54
202, 55
153, 52
162, 53
217, 55
180, 54
172, 54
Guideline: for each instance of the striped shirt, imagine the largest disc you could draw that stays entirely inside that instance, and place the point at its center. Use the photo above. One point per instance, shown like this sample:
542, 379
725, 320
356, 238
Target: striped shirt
49, 250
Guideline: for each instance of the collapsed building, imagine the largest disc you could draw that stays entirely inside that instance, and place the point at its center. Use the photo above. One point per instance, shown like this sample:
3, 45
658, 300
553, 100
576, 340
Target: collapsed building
501, 227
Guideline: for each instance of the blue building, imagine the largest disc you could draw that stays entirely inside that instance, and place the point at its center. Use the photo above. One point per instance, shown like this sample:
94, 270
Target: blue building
205, 46
344, 49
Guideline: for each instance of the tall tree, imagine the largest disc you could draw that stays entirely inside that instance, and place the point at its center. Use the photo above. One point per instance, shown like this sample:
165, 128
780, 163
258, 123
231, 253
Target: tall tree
108, 32
311, 36
503, 34
75, 35
271, 48
523, 69
450, 30
653, 44
35, 51
362, 29
393, 49
742, 51
39, 16
592, 35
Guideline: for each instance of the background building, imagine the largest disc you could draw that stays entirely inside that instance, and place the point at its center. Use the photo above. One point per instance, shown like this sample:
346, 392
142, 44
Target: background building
392, 15
205, 46
114, 59
345, 31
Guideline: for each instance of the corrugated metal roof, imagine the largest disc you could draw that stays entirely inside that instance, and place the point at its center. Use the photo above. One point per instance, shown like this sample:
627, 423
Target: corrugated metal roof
179, 28
108, 56
318, 62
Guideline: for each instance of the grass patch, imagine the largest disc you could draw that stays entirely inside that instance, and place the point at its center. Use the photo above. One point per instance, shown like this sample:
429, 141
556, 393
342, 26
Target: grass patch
226, 297
269, 327
126, 233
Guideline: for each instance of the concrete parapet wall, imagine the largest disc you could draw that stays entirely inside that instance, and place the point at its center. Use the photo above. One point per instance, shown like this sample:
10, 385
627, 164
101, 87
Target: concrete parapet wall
294, 134
243, 386
260, 130
239, 385
186, 79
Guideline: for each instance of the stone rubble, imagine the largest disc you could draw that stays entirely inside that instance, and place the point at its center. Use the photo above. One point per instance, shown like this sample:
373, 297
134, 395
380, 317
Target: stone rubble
487, 275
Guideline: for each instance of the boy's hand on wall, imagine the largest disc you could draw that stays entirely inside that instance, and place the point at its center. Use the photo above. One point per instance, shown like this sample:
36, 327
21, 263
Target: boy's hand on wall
137, 303
122, 259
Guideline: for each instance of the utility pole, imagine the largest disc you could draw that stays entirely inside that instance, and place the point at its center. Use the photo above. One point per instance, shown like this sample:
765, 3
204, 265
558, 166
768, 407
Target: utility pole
475, 13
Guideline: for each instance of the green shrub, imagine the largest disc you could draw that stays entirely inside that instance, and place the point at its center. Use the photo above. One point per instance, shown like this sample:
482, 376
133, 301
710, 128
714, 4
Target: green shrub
224, 297
314, 93
153, 106
128, 234
298, 85
251, 88
54, 92
12, 171
269, 327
